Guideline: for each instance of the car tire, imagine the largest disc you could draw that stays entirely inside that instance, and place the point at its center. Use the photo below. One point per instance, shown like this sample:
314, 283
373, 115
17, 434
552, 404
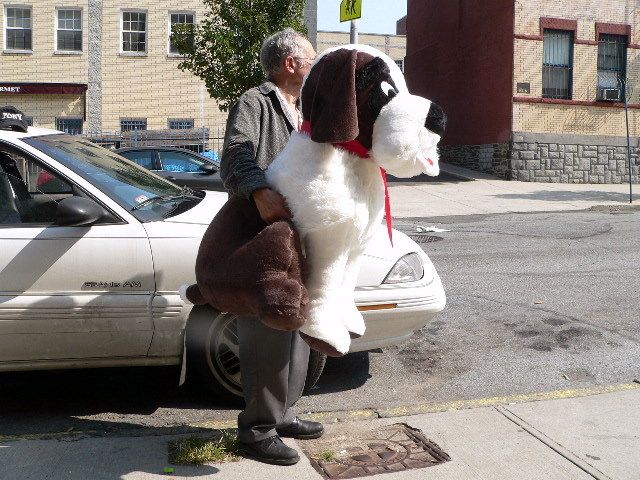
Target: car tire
213, 353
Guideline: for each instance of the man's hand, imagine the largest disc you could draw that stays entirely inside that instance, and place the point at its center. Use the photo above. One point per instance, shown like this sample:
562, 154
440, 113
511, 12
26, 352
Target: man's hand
271, 205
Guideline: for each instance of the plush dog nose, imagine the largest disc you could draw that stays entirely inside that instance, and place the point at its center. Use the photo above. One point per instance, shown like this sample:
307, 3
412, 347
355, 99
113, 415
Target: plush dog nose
436, 119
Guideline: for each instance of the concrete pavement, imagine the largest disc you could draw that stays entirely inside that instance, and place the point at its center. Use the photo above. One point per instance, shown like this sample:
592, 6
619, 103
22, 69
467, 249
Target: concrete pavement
482, 194
572, 435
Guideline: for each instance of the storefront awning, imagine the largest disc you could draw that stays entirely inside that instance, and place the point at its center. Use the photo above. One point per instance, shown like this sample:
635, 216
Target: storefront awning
43, 88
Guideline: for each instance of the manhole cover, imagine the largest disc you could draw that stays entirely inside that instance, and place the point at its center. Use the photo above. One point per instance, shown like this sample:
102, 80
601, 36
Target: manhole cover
426, 238
391, 449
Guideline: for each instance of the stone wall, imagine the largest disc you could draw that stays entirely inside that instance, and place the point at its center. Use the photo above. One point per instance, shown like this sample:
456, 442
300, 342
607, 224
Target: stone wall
537, 157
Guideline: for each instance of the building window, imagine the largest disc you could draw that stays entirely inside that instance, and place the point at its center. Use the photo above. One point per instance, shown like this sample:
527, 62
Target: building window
612, 67
72, 126
69, 31
180, 123
557, 70
18, 28
28, 121
134, 32
400, 64
178, 19
132, 124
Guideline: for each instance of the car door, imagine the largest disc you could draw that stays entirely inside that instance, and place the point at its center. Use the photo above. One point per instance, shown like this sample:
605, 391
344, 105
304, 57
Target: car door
185, 169
66, 292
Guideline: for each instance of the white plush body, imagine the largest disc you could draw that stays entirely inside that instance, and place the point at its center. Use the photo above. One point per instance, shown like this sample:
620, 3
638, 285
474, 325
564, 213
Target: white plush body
337, 201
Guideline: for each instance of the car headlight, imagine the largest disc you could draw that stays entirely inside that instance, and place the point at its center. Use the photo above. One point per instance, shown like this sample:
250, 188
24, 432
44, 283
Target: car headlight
408, 269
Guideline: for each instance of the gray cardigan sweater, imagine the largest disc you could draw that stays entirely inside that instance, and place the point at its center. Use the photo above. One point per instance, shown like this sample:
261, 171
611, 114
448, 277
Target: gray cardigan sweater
258, 128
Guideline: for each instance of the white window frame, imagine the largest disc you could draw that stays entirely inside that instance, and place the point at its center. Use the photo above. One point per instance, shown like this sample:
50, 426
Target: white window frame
176, 12
5, 28
146, 32
55, 32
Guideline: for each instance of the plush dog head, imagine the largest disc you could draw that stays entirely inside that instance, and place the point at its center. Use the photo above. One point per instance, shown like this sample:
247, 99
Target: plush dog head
356, 92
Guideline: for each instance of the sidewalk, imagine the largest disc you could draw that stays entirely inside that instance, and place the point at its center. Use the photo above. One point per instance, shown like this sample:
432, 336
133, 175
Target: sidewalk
572, 435
483, 194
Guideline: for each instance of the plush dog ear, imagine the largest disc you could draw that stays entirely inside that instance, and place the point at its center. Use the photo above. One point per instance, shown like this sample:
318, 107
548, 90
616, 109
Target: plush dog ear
329, 97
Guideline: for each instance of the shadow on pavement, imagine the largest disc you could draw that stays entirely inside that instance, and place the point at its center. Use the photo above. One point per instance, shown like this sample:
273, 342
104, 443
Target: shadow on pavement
568, 196
443, 177
343, 374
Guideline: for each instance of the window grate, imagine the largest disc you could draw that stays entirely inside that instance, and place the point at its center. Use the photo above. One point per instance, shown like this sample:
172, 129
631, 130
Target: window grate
133, 124
72, 126
612, 67
180, 123
557, 68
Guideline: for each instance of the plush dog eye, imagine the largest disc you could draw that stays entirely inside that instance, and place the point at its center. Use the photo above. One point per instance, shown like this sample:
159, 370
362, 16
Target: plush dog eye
388, 89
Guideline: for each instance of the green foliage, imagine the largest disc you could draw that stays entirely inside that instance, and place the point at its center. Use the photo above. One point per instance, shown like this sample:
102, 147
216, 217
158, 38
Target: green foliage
198, 450
224, 48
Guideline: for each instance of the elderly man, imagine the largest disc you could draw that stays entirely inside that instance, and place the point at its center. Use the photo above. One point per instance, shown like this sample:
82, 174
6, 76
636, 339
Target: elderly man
273, 364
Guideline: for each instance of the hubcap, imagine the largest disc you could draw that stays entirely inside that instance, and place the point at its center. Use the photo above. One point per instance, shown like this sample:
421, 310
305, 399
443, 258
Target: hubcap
224, 351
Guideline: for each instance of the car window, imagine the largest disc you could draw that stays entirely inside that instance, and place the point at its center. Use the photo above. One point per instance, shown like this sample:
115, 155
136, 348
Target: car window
173, 161
29, 193
144, 158
124, 181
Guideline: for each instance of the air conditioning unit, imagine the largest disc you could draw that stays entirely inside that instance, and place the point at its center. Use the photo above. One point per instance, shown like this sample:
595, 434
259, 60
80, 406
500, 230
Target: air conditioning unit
611, 94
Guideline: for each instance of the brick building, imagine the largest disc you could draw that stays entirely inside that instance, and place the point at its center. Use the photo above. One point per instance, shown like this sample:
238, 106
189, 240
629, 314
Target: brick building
104, 66
393, 45
533, 88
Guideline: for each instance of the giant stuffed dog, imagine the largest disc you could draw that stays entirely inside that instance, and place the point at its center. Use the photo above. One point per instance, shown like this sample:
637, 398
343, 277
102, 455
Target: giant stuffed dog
359, 121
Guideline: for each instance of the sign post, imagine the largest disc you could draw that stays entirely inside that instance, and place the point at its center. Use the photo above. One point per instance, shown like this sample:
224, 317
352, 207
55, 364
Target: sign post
351, 10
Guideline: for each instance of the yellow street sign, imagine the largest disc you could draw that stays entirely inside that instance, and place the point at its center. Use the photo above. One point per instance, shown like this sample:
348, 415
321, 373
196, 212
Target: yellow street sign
350, 10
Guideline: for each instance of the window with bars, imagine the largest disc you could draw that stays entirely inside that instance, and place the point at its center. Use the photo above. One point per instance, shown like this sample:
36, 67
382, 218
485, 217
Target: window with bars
180, 123
557, 68
134, 31
400, 64
178, 19
612, 67
69, 31
72, 126
18, 33
132, 124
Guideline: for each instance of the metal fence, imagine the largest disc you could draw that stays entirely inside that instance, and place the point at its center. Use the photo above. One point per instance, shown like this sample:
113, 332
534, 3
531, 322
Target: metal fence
196, 139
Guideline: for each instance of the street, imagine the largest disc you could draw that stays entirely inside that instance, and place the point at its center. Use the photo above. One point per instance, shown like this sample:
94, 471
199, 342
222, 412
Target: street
536, 302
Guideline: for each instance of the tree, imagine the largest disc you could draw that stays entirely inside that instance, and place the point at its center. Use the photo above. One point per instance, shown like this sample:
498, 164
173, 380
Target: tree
224, 48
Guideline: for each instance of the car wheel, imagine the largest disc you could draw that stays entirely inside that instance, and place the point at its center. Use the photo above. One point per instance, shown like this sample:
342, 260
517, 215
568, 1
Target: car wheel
213, 352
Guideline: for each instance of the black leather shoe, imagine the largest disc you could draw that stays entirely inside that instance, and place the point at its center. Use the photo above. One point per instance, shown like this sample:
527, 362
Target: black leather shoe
302, 429
270, 450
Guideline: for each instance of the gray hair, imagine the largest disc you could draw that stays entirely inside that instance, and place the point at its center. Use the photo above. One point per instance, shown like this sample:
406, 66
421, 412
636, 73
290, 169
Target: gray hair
277, 47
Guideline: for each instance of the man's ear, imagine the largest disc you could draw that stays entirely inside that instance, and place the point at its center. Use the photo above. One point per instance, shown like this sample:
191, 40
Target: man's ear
329, 98
290, 64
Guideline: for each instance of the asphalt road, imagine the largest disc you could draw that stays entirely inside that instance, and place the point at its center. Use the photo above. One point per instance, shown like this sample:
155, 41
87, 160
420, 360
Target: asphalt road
536, 302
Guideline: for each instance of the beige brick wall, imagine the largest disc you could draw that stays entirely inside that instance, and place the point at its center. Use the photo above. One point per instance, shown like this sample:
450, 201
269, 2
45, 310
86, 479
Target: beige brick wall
393, 45
528, 57
43, 65
150, 86
46, 108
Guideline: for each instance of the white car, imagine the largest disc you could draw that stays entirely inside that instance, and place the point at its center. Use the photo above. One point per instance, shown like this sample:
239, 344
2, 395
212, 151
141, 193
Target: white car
95, 247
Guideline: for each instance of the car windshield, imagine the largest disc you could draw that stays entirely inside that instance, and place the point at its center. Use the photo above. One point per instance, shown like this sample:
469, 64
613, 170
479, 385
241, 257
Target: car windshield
130, 185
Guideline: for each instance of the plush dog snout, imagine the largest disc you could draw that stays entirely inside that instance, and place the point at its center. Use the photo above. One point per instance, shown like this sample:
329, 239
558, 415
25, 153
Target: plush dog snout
436, 119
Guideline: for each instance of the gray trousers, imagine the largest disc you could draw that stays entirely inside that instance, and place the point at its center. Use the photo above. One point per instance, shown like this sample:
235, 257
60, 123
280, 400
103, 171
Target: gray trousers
273, 368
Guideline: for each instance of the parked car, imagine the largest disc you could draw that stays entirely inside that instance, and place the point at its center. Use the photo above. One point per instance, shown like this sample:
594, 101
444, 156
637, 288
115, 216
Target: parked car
179, 165
90, 269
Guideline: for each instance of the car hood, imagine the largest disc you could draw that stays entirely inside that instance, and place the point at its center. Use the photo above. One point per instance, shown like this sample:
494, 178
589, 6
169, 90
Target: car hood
203, 212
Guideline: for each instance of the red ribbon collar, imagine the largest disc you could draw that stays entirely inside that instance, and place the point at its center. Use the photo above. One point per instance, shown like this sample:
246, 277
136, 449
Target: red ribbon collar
356, 148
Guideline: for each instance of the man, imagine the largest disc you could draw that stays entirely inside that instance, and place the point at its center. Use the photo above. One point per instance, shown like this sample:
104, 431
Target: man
273, 363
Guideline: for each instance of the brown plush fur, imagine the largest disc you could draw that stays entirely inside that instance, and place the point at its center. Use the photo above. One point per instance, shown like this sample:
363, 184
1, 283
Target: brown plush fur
247, 267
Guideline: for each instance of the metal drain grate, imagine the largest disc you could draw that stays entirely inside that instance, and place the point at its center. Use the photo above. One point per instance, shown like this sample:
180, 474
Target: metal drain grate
392, 449
426, 238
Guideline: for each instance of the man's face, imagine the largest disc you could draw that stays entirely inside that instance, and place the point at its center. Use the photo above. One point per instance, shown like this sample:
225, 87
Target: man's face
302, 63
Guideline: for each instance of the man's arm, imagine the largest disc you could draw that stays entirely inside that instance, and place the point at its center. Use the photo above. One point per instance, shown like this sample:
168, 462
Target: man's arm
239, 170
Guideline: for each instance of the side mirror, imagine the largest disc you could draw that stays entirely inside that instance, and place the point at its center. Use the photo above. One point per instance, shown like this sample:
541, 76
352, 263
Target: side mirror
77, 212
207, 169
